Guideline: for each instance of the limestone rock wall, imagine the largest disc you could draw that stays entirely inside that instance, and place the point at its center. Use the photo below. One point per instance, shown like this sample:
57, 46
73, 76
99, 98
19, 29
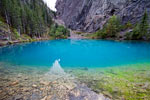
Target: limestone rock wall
90, 15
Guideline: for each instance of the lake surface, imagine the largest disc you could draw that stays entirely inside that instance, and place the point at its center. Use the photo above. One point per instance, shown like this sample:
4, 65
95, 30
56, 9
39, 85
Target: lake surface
76, 53
35, 70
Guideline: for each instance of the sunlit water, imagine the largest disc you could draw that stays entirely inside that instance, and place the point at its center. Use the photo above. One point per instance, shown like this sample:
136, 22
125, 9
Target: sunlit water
56, 68
76, 53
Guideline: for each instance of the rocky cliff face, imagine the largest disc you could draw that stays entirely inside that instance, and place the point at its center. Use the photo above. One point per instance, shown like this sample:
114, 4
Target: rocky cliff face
90, 15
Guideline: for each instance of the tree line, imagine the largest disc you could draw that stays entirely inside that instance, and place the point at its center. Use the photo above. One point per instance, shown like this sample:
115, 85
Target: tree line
113, 27
31, 17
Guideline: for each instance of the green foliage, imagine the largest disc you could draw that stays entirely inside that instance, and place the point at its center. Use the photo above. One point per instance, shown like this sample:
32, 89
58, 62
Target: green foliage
17, 35
31, 17
128, 25
59, 31
111, 29
101, 34
78, 33
53, 30
144, 24
120, 82
135, 34
1, 19
26, 37
140, 30
113, 26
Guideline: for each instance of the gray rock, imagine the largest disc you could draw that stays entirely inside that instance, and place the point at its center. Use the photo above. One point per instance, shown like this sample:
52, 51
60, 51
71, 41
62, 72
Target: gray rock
18, 97
91, 15
85, 93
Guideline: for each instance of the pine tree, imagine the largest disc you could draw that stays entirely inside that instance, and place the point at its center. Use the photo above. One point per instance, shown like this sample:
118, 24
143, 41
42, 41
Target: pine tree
113, 26
30, 17
144, 24
16, 15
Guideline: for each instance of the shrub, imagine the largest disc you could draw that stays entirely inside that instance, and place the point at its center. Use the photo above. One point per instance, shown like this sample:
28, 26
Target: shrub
1, 19
58, 31
140, 30
128, 25
135, 34
17, 35
144, 24
78, 33
101, 34
52, 30
110, 29
113, 26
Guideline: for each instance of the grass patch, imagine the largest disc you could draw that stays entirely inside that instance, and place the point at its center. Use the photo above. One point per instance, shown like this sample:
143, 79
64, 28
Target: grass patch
78, 33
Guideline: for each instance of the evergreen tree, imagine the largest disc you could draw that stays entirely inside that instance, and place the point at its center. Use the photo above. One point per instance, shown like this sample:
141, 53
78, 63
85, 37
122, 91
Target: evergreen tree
113, 26
31, 17
144, 24
140, 30
110, 29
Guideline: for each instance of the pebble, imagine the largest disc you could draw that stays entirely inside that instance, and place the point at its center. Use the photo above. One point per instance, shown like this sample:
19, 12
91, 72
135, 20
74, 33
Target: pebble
55, 82
18, 97
49, 97
26, 89
44, 98
107, 94
145, 86
141, 91
69, 87
42, 89
35, 86
26, 79
19, 76
14, 83
11, 92
76, 93
0, 91
44, 83
115, 90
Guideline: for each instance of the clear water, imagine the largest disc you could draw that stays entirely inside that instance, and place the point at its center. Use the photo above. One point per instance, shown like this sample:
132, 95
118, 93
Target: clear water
76, 53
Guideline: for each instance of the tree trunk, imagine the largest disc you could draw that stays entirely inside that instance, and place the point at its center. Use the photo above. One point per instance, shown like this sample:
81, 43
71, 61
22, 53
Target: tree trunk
7, 21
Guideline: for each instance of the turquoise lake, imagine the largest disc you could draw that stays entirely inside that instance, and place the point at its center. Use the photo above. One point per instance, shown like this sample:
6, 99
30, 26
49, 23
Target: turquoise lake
76, 53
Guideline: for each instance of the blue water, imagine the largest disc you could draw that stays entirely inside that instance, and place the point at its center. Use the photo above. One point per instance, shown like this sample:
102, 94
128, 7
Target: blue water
77, 53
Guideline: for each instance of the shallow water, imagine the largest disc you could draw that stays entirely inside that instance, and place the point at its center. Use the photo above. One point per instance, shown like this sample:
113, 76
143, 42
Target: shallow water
76, 53
56, 68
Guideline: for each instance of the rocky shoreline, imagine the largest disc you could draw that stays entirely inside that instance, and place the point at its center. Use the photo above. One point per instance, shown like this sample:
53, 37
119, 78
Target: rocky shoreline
4, 43
16, 84
38, 83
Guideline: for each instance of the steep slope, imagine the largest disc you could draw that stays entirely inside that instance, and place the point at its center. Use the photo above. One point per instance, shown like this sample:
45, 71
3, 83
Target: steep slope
28, 20
26, 16
91, 15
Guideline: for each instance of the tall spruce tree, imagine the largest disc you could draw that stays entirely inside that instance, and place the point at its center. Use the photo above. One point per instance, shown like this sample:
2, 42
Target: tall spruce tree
144, 24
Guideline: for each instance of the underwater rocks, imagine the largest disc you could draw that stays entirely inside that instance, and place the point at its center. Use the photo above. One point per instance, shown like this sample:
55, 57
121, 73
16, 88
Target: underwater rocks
118, 83
14, 83
45, 83
82, 92
3, 43
18, 85
34, 86
75, 84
